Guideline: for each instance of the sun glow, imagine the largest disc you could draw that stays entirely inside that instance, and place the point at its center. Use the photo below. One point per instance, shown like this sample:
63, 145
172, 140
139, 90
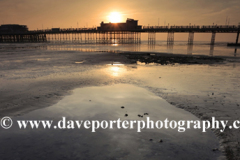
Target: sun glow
116, 69
114, 17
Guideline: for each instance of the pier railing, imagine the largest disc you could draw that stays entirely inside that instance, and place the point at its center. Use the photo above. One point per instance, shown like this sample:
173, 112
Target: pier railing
193, 28
94, 35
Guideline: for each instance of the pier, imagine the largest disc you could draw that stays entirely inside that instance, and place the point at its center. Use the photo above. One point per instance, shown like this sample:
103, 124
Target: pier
114, 33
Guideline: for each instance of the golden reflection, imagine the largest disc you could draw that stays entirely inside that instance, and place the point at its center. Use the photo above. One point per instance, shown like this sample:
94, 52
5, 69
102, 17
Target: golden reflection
115, 44
116, 64
116, 70
140, 63
80, 62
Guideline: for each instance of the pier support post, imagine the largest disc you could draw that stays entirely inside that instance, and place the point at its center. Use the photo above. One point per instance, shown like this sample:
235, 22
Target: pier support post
118, 37
190, 49
211, 50
139, 37
81, 37
151, 37
213, 38
44, 38
170, 38
237, 36
190, 38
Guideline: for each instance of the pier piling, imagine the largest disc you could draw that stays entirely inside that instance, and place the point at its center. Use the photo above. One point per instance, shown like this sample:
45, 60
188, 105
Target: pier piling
170, 38
213, 38
190, 38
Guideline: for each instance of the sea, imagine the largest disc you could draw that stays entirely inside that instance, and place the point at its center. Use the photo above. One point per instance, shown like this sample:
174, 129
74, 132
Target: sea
179, 47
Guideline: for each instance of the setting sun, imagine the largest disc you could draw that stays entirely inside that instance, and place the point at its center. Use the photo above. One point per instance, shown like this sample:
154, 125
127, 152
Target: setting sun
114, 17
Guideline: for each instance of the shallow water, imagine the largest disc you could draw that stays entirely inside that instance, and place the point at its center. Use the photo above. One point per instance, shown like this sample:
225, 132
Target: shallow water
179, 47
104, 103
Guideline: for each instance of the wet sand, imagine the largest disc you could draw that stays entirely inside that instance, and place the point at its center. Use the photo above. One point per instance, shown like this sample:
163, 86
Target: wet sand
104, 104
33, 79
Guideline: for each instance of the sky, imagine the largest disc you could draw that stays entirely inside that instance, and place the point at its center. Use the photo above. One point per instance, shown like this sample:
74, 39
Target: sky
38, 14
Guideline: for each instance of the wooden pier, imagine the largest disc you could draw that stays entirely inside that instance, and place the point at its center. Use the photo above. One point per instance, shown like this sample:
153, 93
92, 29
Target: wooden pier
113, 36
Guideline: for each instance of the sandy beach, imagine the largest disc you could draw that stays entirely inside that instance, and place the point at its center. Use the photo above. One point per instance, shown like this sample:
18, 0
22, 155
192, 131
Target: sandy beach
35, 78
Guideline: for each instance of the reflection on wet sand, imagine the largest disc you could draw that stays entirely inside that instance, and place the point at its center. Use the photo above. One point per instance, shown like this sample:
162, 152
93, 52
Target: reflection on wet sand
200, 48
190, 49
115, 69
37, 78
151, 46
105, 103
211, 50
170, 48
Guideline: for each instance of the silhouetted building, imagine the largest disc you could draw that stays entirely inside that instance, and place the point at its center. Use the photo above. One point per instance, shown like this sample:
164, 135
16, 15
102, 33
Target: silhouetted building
13, 28
130, 24
55, 29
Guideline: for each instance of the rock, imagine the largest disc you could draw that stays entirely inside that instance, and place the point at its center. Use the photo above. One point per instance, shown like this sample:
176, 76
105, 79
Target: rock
122, 107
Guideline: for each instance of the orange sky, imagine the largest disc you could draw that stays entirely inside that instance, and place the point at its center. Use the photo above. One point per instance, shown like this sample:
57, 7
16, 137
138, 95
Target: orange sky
72, 13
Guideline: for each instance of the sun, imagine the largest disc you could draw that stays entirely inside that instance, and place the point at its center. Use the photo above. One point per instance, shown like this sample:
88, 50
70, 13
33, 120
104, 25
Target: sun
114, 17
